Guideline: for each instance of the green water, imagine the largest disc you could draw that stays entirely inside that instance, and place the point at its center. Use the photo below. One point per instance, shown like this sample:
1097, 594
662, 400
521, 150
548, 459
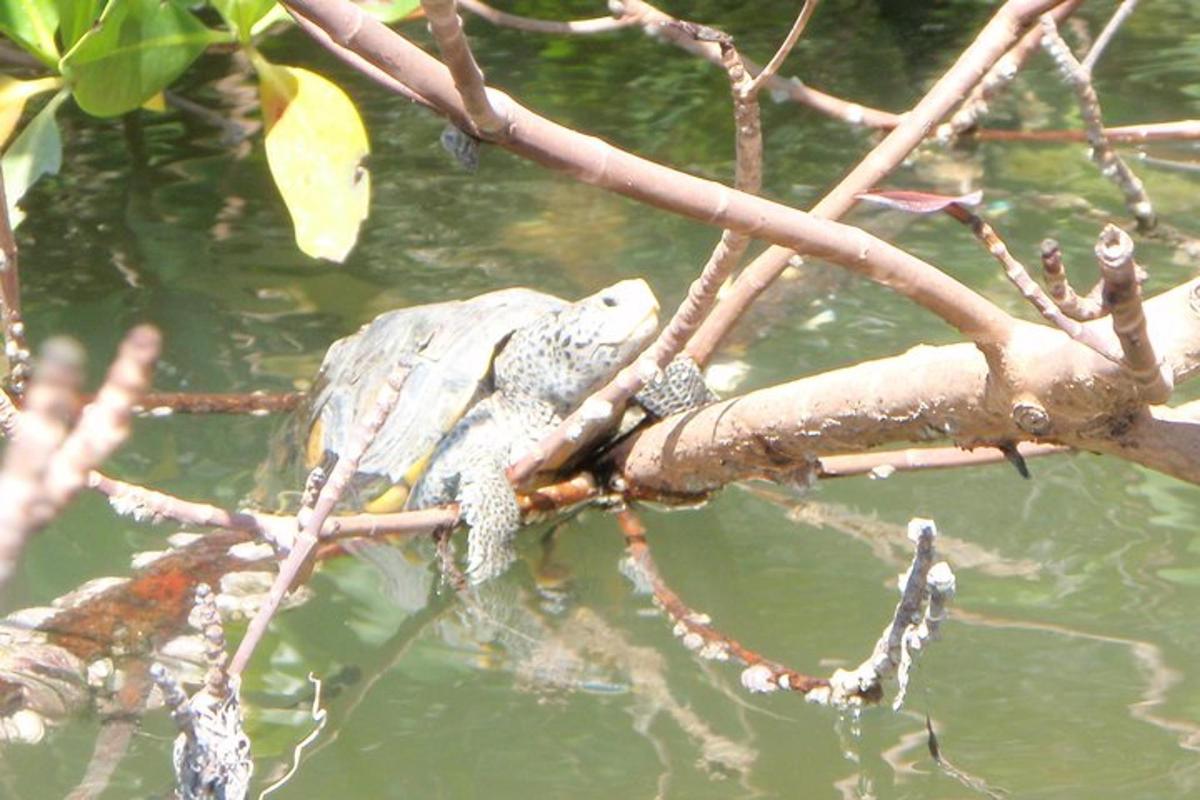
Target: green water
1069, 670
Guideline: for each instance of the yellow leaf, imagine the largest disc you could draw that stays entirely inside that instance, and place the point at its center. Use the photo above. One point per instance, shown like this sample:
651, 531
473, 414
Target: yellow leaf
157, 103
13, 94
316, 148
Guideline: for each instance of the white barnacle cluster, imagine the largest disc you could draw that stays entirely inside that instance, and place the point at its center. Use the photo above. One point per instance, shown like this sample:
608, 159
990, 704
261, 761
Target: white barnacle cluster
706, 647
759, 679
128, 504
630, 568
926, 589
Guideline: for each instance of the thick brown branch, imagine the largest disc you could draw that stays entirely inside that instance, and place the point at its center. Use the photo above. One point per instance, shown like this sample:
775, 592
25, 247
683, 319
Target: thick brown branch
355, 61
603, 165
1063, 392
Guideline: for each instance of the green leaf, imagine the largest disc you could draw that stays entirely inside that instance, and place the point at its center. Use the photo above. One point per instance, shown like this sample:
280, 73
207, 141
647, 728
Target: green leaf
389, 12
75, 18
316, 148
31, 23
134, 52
243, 14
276, 14
37, 151
13, 94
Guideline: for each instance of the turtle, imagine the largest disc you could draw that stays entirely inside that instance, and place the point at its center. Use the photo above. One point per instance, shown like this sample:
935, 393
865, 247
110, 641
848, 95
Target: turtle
486, 378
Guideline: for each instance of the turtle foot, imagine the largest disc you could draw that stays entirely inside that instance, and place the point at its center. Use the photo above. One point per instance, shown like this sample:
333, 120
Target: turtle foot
680, 387
488, 505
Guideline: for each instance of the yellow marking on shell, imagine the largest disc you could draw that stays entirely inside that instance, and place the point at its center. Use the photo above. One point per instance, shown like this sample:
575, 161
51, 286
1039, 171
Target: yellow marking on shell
394, 498
314, 448
390, 501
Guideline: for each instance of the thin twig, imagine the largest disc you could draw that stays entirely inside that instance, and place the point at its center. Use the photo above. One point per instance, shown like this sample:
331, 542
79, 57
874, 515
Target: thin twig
883, 464
772, 67
1123, 296
584, 424
1178, 130
997, 78
148, 505
1081, 309
1110, 30
1111, 165
658, 24
575, 26
157, 404
694, 629
347, 464
446, 27
1015, 271
926, 589
992, 43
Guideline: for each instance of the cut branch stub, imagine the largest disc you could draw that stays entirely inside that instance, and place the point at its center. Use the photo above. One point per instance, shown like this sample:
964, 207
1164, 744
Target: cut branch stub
1074, 306
1123, 295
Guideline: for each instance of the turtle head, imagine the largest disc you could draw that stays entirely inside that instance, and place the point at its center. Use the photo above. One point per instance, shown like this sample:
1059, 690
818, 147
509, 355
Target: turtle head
564, 355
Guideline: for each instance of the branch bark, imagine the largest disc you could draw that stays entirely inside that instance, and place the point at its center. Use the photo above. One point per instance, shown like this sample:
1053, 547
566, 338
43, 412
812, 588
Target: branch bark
1052, 389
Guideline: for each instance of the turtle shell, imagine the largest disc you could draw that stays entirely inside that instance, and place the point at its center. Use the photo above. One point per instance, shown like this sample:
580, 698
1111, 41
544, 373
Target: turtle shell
449, 348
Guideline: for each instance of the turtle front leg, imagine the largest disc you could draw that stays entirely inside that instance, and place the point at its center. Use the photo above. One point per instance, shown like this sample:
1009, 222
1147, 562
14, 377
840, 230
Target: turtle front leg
680, 387
488, 505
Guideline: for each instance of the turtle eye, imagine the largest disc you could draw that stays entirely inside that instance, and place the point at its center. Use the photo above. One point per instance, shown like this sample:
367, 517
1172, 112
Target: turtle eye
609, 301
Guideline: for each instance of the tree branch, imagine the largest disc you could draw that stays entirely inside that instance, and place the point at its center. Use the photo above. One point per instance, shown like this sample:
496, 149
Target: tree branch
446, 27
992, 42
772, 67
1111, 165
576, 26
1118, 18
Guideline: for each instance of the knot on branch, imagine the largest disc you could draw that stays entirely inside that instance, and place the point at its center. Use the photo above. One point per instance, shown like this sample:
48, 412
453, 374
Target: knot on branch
1031, 417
